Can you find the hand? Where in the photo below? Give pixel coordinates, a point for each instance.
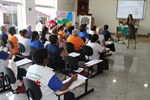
(74, 77)
(63, 45)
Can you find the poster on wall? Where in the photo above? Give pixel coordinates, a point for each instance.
(67, 17)
(88, 20)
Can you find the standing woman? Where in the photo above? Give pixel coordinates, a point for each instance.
(131, 30)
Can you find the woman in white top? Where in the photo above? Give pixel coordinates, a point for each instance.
(24, 40)
(101, 36)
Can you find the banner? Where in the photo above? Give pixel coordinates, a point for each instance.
(67, 17)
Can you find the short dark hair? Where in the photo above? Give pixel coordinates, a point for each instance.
(60, 27)
(39, 55)
(105, 27)
(34, 35)
(94, 37)
(93, 28)
(82, 27)
(12, 30)
(53, 39)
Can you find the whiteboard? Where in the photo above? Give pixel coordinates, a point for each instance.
(134, 7)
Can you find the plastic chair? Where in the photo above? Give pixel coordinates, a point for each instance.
(87, 51)
(21, 48)
(11, 79)
(70, 47)
(71, 63)
(32, 89)
(31, 51)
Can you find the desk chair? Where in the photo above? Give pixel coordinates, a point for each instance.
(11, 79)
(71, 63)
(32, 89)
(31, 51)
(87, 51)
(21, 48)
(3, 85)
(70, 47)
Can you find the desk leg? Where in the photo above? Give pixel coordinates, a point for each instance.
(58, 97)
(86, 92)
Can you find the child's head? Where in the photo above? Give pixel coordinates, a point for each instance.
(93, 28)
(53, 39)
(12, 30)
(40, 56)
(106, 27)
(94, 38)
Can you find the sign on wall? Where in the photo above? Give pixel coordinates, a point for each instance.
(67, 17)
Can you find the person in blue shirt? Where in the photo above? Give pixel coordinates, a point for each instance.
(3, 35)
(46, 78)
(83, 34)
(106, 33)
(59, 53)
(35, 42)
(29, 31)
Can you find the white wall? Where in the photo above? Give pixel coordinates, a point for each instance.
(104, 12)
(65, 5)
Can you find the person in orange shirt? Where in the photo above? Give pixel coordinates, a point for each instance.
(76, 40)
(13, 39)
(61, 32)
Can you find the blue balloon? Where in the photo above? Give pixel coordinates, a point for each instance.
(69, 16)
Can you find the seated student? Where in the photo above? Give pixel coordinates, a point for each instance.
(101, 36)
(106, 33)
(76, 40)
(4, 56)
(58, 52)
(45, 34)
(97, 49)
(13, 39)
(83, 34)
(61, 32)
(25, 40)
(35, 42)
(46, 78)
(3, 35)
(69, 32)
(29, 29)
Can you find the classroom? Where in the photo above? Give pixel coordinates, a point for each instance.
(75, 49)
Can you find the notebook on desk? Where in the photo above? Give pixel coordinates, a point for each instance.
(23, 62)
(74, 54)
(93, 62)
(80, 81)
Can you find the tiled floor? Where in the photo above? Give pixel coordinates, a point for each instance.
(127, 79)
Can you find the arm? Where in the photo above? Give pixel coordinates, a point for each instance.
(11, 51)
(67, 84)
(64, 52)
(55, 84)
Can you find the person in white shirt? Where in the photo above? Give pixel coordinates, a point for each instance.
(101, 36)
(25, 40)
(97, 48)
(46, 77)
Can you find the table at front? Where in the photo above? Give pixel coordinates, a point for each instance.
(124, 29)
